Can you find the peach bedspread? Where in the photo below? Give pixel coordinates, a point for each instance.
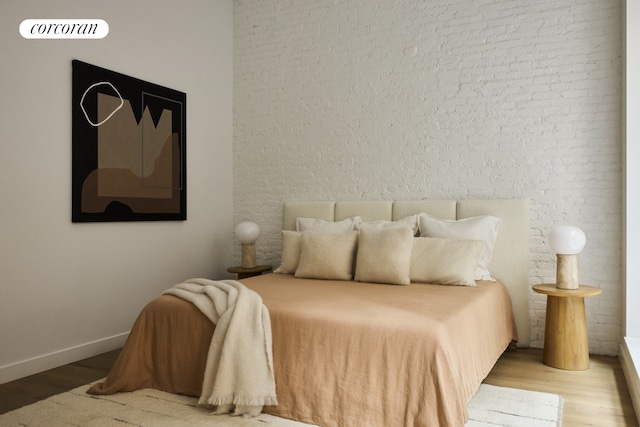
(345, 353)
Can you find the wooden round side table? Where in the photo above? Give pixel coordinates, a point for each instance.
(243, 273)
(566, 345)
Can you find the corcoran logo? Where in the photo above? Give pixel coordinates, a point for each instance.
(64, 29)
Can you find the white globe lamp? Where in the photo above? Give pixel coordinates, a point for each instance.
(247, 233)
(567, 242)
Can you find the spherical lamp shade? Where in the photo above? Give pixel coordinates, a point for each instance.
(247, 232)
(567, 240)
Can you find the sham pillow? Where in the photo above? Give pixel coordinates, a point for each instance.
(410, 221)
(484, 228)
(445, 261)
(316, 224)
(291, 244)
(327, 255)
(384, 254)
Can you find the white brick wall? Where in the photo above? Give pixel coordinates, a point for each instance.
(438, 99)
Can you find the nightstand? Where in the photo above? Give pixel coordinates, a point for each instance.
(243, 273)
(565, 333)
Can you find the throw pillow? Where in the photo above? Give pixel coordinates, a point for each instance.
(384, 254)
(445, 261)
(484, 228)
(327, 255)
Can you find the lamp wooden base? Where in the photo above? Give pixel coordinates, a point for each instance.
(566, 345)
(249, 255)
(567, 272)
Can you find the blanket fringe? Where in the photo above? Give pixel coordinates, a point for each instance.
(242, 400)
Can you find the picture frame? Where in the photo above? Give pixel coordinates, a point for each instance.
(128, 148)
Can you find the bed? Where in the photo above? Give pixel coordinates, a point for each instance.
(358, 352)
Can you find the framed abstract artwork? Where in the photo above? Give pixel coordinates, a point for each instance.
(129, 148)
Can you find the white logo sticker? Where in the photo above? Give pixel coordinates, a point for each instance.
(64, 29)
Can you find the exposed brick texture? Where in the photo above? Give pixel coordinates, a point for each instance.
(369, 100)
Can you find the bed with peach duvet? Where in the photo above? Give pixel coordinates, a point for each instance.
(375, 349)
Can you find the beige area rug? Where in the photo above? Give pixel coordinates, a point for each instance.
(492, 406)
(501, 406)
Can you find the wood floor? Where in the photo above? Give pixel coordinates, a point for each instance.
(31, 389)
(596, 397)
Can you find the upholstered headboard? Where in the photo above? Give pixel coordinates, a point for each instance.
(510, 262)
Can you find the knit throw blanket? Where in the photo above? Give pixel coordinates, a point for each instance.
(238, 376)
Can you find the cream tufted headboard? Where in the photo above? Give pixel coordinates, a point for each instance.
(510, 262)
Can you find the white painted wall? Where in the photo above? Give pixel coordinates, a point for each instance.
(632, 171)
(72, 290)
(630, 347)
(439, 99)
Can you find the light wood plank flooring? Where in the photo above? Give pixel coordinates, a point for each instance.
(596, 397)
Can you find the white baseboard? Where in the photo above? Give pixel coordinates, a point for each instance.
(38, 364)
(630, 360)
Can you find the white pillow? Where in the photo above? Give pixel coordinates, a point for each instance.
(484, 228)
(315, 224)
(411, 221)
(384, 254)
(327, 255)
(445, 261)
(291, 244)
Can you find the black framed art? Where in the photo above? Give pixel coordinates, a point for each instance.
(129, 148)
